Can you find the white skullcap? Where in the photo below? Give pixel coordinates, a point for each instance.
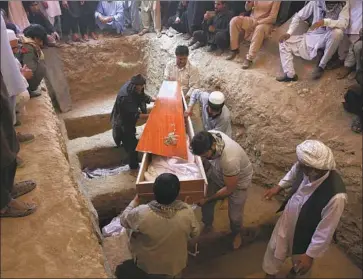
(315, 154)
(216, 98)
(11, 35)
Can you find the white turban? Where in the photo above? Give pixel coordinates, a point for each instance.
(315, 154)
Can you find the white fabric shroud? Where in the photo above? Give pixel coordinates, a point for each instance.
(184, 170)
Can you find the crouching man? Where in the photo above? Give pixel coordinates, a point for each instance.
(161, 230)
(229, 173)
(310, 215)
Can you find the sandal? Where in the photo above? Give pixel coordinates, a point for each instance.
(22, 188)
(143, 32)
(356, 126)
(12, 212)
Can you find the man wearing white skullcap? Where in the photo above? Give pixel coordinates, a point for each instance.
(311, 213)
(215, 115)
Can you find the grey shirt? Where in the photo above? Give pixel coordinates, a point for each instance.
(220, 123)
(232, 161)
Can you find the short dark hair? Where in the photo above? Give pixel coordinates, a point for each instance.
(166, 188)
(182, 51)
(36, 31)
(202, 143)
(11, 26)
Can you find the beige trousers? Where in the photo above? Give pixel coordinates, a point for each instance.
(149, 15)
(252, 32)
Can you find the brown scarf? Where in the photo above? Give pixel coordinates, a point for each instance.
(31, 42)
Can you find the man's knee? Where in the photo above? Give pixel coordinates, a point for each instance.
(236, 20)
(337, 34)
(199, 35)
(222, 39)
(357, 47)
(262, 28)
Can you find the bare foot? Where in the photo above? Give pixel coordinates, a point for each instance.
(237, 241)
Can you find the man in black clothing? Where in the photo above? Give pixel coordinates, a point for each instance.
(87, 23)
(195, 12)
(179, 21)
(167, 9)
(215, 29)
(9, 147)
(35, 16)
(131, 99)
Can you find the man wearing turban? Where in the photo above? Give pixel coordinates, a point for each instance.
(310, 214)
(130, 105)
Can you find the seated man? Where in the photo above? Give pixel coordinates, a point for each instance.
(179, 20)
(35, 16)
(351, 36)
(161, 230)
(110, 15)
(229, 173)
(182, 70)
(254, 28)
(35, 37)
(131, 99)
(215, 115)
(354, 37)
(330, 19)
(353, 59)
(310, 214)
(215, 29)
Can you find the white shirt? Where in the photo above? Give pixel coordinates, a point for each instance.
(312, 9)
(330, 217)
(188, 76)
(355, 23)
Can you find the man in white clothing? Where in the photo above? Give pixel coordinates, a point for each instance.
(330, 19)
(350, 49)
(311, 213)
(182, 70)
(215, 115)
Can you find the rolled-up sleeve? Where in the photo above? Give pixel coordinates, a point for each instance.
(289, 178)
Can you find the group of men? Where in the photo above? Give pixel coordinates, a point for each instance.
(310, 214)
(335, 26)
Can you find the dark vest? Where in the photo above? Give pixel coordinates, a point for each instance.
(310, 214)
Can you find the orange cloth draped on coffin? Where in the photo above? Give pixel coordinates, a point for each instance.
(166, 115)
